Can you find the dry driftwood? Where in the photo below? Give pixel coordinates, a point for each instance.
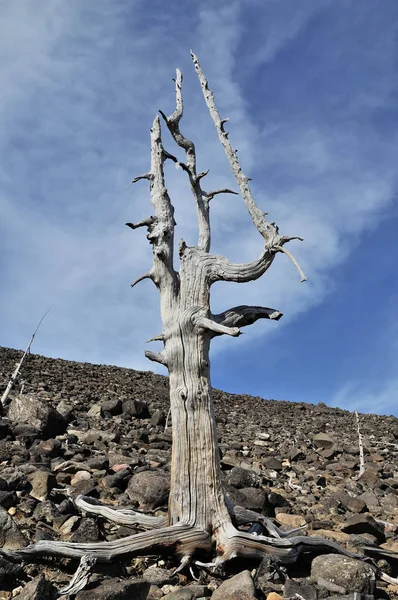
(200, 522)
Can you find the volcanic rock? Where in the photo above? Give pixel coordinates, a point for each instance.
(29, 410)
(149, 489)
(347, 573)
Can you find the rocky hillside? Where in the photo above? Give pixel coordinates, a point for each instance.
(100, 431)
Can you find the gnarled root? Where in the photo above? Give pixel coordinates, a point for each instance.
(120, 516)
(232, 543)
(183, 539)
(242, 516)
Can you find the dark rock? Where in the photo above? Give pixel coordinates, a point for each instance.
(26, 434)
(8, 570)
(5, 430)
(149, 489)
(299, 589)
(242, 478)
(277, 500)
(42, 483)
(158, 576)
(11, 537)
(8, 499)
(254, 499)
(238, 587)
(323, 440)
(158, 419)
(136, 408)
(296, 454)
(112, 589)
(364, 523)
(272, 463)
(370, 479)
(87, 531)
(50, 447)
(113, 407)
(354, 505)
(38, 589)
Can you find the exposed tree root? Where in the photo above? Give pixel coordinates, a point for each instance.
(242, 516)
(121, 516)
(182, 539)
(232, 543)
(81, 578)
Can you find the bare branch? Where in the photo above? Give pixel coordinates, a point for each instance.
(144, 176)
(144, 223)
(221, 269)
(156, 338)
(256, 214)
(159, 357)
(200, 176)
(210, 195)
(294, 261)
(173, 124)
(241, 316)
(141, 278)
(217, 328)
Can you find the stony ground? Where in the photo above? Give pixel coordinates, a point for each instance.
(100, 431)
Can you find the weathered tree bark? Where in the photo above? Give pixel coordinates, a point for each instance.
(200, 520)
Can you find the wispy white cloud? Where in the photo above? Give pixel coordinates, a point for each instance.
(379, 399)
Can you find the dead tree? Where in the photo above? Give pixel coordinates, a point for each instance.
(201, 522)
(19, 364)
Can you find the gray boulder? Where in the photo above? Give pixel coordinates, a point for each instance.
(149, 489)
(42, 416)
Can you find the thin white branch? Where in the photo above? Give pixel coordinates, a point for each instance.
(19, 364)
(294, 261)
(360, 443)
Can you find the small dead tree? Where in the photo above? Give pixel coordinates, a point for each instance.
(19, 364)
(201, 522)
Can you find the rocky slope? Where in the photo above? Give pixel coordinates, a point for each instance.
(100, 431)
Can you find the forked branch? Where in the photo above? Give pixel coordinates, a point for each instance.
(202, 205)
(269, 231)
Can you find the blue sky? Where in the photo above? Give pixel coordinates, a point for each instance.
(311, 89)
